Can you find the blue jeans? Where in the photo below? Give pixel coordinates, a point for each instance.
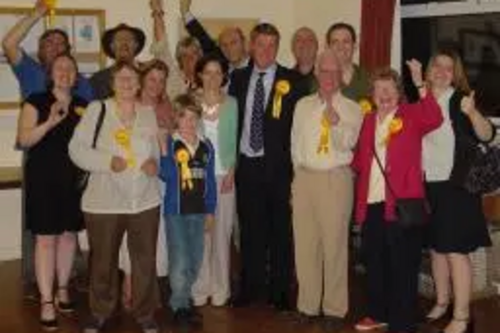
(185, 235)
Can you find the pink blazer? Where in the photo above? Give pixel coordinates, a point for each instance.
(403, 157)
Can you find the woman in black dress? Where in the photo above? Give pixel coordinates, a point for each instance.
(457, 226)
(53, 212)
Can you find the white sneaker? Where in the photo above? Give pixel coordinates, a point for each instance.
(200, 301)
(219, 301)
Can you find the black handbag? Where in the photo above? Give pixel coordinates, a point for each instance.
(483, 176)
(410, 212)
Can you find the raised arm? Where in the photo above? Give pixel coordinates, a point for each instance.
(428, 113)
(159, 31)
(483, 128)
(196, 30)
(160, 49)
(18, 32)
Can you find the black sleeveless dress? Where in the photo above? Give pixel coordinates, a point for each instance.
(51, 179)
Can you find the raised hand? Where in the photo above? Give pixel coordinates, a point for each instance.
(156, 5)
(185, 7)
(415, 68)
(41, 7)
(468, 104)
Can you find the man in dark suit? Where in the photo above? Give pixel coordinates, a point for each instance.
(266, 94)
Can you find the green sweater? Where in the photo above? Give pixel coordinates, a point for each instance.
(359, 85)
(227, 132)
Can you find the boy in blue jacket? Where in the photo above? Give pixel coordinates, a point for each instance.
(189, 203)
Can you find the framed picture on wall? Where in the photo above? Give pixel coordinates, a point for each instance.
(84, 28)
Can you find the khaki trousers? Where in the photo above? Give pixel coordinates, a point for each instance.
(105, 233)
(322, 205)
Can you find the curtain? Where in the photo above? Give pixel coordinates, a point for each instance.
(377, 17)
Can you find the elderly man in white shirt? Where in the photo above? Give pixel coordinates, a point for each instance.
(325, 130)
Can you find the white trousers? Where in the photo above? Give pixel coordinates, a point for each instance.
(213, 279)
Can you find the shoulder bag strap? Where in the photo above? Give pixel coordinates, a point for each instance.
(98, 124)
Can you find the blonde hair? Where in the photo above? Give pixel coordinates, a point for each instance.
(459, 81)
(186, 102)
(183, 45)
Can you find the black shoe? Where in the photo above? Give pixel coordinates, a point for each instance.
(64, 307)
(303, 319)
(148, 325)
(182, 317)
(195, 317)
(283, 307)
(51, 324)
(239, 301)
(93, 325)
(281, 304)
(331, 323)
(30, 292)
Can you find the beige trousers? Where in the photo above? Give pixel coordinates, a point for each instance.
(322, 205)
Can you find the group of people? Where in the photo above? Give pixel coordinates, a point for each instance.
(176, 154)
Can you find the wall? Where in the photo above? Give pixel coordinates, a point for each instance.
(285, 14)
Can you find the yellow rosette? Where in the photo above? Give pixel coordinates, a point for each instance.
(51, 6)
(282, 88)
(79, 111)
(182, 157)
(366, 106)
(122, 138)
(324, 137)
(395, 126)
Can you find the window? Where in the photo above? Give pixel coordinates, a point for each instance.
(472, 33)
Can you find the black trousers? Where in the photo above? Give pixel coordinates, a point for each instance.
(392, 256)
(266, 238)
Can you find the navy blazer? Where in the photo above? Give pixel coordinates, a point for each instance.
(276, 131)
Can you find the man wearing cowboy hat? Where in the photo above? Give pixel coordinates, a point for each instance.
(121, 43)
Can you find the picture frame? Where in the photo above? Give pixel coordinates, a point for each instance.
(84, 28)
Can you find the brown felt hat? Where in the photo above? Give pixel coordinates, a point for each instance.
(107, 38)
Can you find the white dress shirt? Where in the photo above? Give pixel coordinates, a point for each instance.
(306, 132)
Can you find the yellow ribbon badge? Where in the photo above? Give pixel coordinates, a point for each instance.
(122, 138)
(182, 157)
(395, 126)
(79, 111)
(324, 137)
(366, 106)
(282, 88)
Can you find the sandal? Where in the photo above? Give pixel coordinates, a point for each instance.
(468, 328)
(440, 310)
(64, 307)
(48, 325)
